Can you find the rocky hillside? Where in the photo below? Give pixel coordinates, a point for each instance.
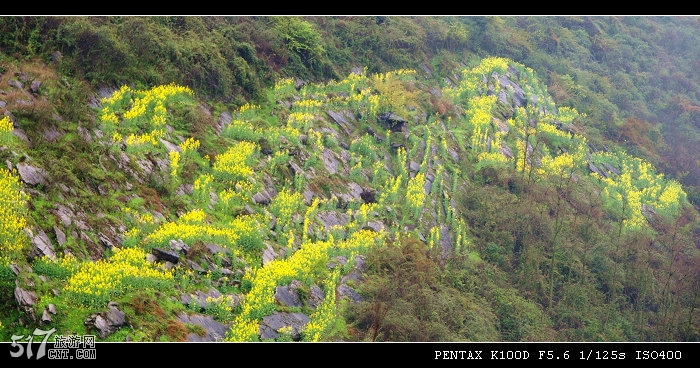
(156, 216)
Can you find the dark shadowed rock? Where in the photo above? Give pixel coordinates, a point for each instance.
(332, 218)
(368, 196)
(595, 169)
(52, 134)
(343, 119)
(30, 174)
(344, 291)
(392, 121)
(170, 146)
(213, 330)
(42, 245)
(108, 322)
(45, 317)
(269, 254)
(199, 299)
(265, 147)
(271, 325)
(611, 168)
(329, 161)
(60, 235)
(261, 198)
(25, 298)
(166, 255)
(287, 295)
(376, 226)
(179, 246)
(316, 296)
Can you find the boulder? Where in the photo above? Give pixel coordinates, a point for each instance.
(31, 175)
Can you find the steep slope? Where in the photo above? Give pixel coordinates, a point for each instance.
(190, 222)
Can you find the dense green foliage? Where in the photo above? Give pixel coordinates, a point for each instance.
(494, 225)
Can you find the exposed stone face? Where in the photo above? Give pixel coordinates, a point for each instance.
(213, 330)
(108, 322)
(31, 175)
(41, 243)
(25, 298)
(287, 295)
(272, 324)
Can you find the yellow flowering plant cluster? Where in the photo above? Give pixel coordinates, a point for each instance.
(360, 242)
(144, 142)
(471, 83)
(356, 173)
(202, 187)
(399, 74)
(235, 164)
(248, 111)
(243, 235)
(284, 206)
(236, 196)
(249, 231)
(560, 166)
(391, 191)
(260, 300)
(132, 237)
(284, 88)
(309, 217)
(300, 120)
(415, 194)
(553, 136)
(6, 128)
(195, 216)
(492, 159)
(189, 146)
(13, 202)
(365, 147)
(174, 162)
(243, 130)
(363, 214)
(351, 92)
(434, 237)
(401, 164)
(485, 143)
(308, 105)
(486, 139)
(462, 241)
(323, 318)
(315, 140)
(637, 185)
(625, 194)
(221, 307)
(306, 264)
(191, 232)
(116, 103)
(380, 174)
(95, 283)
(243, 329)
(139, 115)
